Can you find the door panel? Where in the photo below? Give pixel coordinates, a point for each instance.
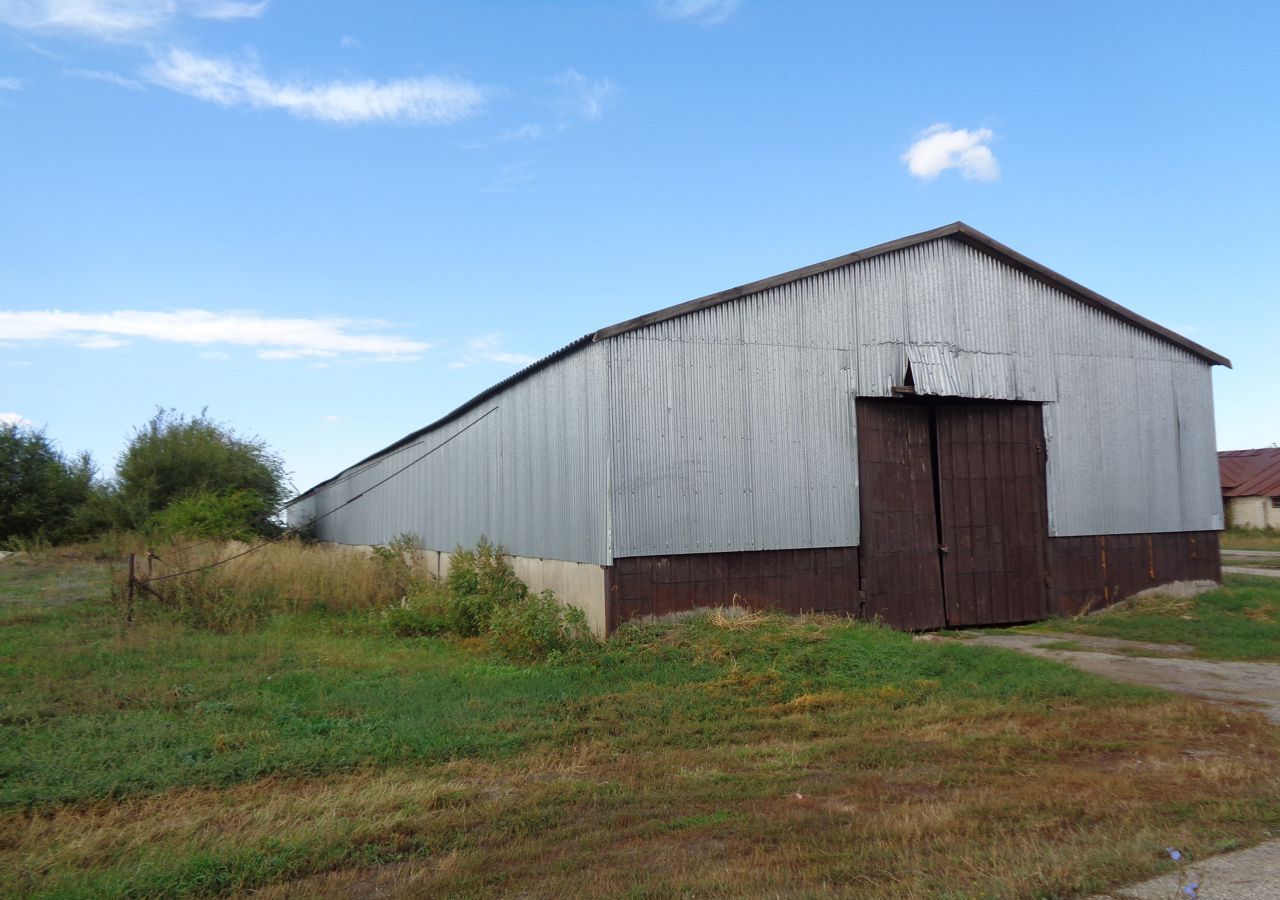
(991, 480)
(898, 552)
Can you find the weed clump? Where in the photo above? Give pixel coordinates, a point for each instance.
(484, 596)
(479, 582)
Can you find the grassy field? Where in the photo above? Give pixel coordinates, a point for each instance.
(1255, 562)
(320, 755)
(1240, 621)
(1250, 539)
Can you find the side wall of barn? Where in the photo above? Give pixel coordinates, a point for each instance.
(527, 468)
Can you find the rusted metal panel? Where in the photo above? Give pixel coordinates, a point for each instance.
(1090, 572)
(991, 494)
(821, 580)
(1250, 473)
(901, 580)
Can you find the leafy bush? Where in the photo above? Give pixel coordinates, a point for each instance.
(173, 457)
(480, 581)
(537, 625)
(206, 514)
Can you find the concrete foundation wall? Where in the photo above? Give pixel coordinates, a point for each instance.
(1252, 512)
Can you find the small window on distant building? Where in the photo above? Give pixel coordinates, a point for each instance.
(1275, 502)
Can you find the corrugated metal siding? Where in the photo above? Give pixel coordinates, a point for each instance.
(729, 446)
(732, 426)
(529, 469)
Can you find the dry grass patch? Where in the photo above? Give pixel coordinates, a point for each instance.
(994, 803)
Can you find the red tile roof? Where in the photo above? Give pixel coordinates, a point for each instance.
(1250, 473)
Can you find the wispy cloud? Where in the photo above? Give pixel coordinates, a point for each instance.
(274, 337)
(10, 84)
(433, 101)
(512, 177)
(940, 147)
(583, 97)
(704, 12)
(16, 419)
(109, 77)
(488, 349)
(116, 20)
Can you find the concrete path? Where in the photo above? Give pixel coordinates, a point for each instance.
(1252, 874)
(1255, 685)
(1251, 570)
(1271, 553)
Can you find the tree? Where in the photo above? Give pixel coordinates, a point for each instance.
(42, 492)
(173, 458)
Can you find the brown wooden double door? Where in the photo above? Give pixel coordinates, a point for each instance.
(952, 495)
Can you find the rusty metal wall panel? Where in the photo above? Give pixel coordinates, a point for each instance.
(991, 492)
(528, 469)
(898, 556)
(1094, 571)
(821, 580)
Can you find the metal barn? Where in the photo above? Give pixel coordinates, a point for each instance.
(937, 431)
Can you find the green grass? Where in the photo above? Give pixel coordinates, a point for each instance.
(320, 754)
(1250, 539)
(92, 710)
(1240, 621)
(1255, 562)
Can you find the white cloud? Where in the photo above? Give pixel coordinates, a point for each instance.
(10, 84)
(276, 338)
(13, 418)
(101, 342)
(109, 77)
(332, 420)
(704, 12)
(583, 97)
(227, 82)
(348, 42)
(118, 19)
(215, 355)
(488, 348)
(940, 148)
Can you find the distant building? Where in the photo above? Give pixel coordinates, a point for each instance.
(934, 432)
(1251, 487)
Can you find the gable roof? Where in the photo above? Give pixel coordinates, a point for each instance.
(956, 230)
(1250, 473)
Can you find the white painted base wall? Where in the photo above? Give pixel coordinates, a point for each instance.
(1252, 512)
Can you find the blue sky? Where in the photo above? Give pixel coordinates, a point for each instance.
(330, 223)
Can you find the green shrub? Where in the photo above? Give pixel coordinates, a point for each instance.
(479, 581)
(409, 619)
(536, 625)
(401, 562)
(205, 514)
